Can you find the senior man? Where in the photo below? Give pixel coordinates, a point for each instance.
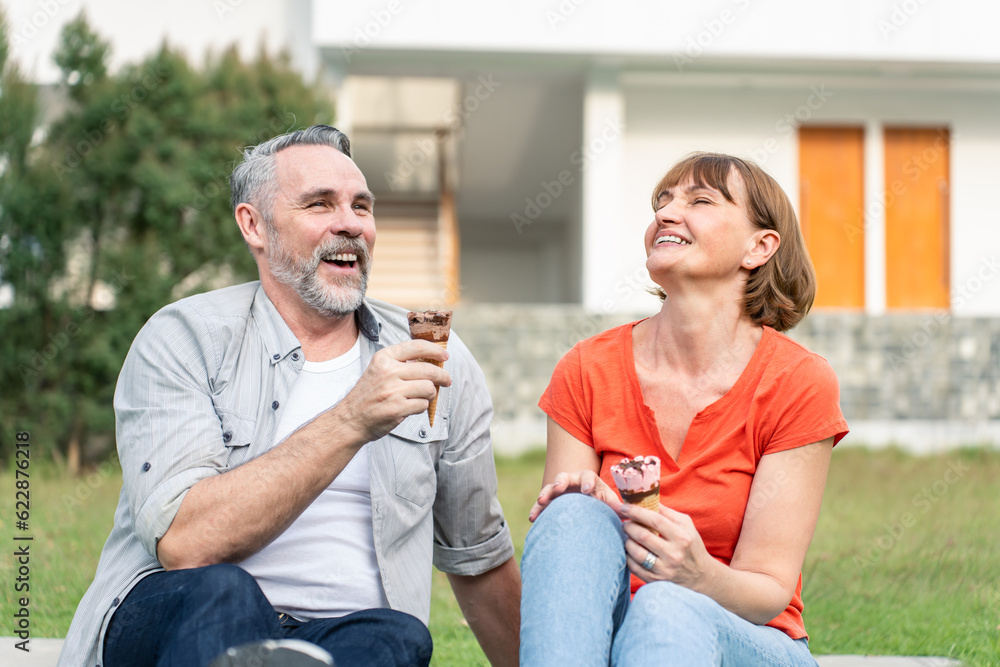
(281, 479)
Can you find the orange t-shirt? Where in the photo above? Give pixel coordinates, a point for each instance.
(786, 397)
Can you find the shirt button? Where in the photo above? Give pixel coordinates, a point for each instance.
(276, 357)
(274, 406)
(227, 436)
(146, 466)
(423, 433)
(295, 356)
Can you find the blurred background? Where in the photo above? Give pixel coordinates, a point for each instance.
(512, 149)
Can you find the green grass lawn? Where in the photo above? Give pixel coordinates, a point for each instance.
(906, 558)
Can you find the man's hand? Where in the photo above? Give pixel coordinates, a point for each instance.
(394, 386)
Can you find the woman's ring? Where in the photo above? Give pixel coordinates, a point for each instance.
(650, 560)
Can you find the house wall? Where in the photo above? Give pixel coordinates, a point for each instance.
(519, 223)
(904, 30)
(925, 382)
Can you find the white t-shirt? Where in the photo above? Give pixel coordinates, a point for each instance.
(324, 564)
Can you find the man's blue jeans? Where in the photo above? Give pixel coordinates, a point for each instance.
(186, 618)
(576, 608)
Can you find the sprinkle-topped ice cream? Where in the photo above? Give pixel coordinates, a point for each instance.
(638, 480)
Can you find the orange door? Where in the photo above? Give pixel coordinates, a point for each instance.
(831, 203)
(917, 208)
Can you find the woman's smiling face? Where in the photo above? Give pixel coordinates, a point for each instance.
(698, 232)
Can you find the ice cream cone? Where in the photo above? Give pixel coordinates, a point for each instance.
(432, 406)
(651, 502)
(638, 481)
(433, 326)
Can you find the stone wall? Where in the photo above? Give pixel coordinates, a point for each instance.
(922, 381)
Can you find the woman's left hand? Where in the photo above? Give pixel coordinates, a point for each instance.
(679, 555)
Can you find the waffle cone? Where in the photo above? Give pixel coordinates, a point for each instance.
(651, 502)
(432, 406)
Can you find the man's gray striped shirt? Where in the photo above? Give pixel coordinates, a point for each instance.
(201, 392)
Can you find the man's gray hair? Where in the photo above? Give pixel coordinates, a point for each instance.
(253, 180)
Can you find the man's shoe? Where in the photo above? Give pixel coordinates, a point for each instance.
(274, 653)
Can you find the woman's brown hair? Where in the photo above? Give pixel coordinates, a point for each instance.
(780, 292)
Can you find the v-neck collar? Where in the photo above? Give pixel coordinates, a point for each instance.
(749, 372)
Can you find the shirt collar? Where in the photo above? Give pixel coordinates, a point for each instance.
(368, 324)
(279, 339)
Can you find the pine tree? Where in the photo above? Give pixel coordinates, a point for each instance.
(121, 209)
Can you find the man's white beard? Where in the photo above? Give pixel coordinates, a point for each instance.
(302, 274)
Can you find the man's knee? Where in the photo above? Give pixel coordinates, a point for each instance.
(379, 637)
(223, 585)
(166, 609)
(413, 634)
(222, 575)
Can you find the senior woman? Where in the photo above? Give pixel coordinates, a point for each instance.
(743, 419)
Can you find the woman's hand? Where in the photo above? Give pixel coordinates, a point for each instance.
(585, 481)
(680, 554)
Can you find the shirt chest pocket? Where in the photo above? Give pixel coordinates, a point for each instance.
(237, 434)
(416, 448)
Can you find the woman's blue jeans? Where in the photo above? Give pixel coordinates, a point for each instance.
(576, 607)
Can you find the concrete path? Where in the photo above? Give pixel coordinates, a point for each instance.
(44, 653)
(883, 661)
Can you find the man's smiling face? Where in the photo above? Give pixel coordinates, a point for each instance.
(321, 230)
